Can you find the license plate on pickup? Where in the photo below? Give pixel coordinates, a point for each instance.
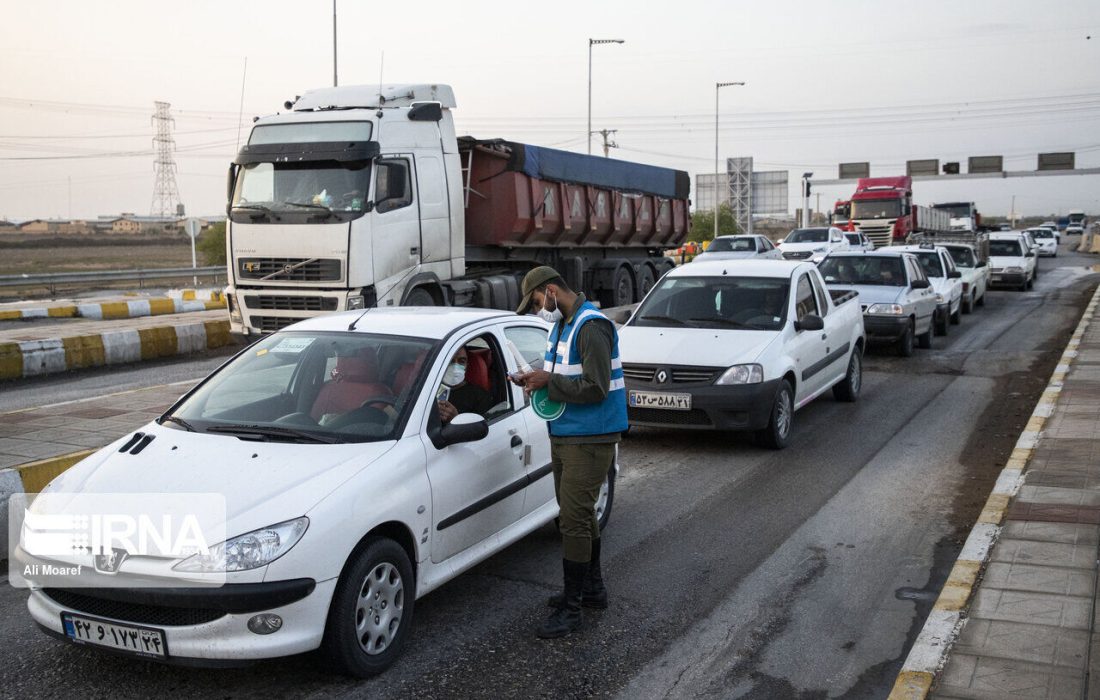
(659, 399)
(142, 641)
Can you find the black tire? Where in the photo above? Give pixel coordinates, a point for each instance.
(342, 648)
(604, 516)
(778, 431)
(905, 342)
(924, 340)
(622, 287)
(647, 277)
(956, 318)
(419, 297)
(848, 388)
(981, 300)
(940, 322)
(967, 304)
(1030, 282)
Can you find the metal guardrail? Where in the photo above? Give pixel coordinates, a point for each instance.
(160, 273)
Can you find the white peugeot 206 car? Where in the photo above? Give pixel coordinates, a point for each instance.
(347, 497)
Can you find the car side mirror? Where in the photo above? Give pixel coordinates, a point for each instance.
(780, 241)
(810, 322)
(920, 284)
(981, 263)
(1030, 254)
(465, 427)
(954, 275)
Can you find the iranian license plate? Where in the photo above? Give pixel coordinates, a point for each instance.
(142, 641)
(659, 399)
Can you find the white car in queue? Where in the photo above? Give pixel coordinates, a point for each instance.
(347, 496)
(740, 345)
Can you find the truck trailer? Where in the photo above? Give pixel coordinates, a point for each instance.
(883, 209)
(364, 196)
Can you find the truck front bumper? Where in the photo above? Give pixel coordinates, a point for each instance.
(727, 407)
(255, 311)
(884, 329)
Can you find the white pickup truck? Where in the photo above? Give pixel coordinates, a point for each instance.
(740, 345)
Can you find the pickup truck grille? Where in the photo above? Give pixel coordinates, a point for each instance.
(677, 375)
(798, 255)
(279, 302)
(290, 269)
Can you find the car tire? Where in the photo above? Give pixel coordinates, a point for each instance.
(924, 340)
(956, 318)
(980, 301)
(848, 388)
(777, 433)
(419, 297)
(968, 304)
(378, 579)
(1031, 282)
(905, 342)
(940, 322)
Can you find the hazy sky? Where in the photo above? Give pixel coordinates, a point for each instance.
(844, 80)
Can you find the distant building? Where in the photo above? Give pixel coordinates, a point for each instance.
(42, 226)
(8, 226)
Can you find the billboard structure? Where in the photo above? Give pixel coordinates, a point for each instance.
(739, 173)
(770, 192)
(748, 193)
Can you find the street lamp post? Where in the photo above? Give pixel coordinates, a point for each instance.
(717, 87)
(591, 43)
(806, 222)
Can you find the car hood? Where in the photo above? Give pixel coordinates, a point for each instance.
(262, 482)
(699, 347)
(725, 255)
(871, 293)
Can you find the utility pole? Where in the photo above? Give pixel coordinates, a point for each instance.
(334, 81)
(1012, 214)
(817, 207)
(607, 144)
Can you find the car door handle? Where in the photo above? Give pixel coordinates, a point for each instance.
(824, 337)
(516, 441)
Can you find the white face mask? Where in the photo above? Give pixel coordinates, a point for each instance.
(550, 316)
(455, 374)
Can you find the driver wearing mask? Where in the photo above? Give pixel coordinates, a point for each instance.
(456, 396)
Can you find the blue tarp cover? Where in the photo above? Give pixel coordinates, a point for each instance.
(581, 169)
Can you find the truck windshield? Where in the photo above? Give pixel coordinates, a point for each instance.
(739, 303)
(808, 235)
(963, 257)
(930, 261)
(850, 269)
(725, 245)
(299, 187)
(1076, 218)
(876, 209)
(310, 387)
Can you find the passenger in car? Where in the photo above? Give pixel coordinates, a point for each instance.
(458, 394)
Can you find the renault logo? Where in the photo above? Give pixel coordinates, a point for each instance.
(662, 376)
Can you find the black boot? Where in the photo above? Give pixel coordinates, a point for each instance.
(594, 593)
(567, 617)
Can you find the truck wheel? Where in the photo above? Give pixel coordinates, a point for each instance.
(371, 611)
(941, 323)
(956, 318)
(646, 279)
(905, 342)
(622, 289)
(848, 388)
(778, 431)
(419, 297)
(924, 340)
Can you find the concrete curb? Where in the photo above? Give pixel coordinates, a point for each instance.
(28, 358)
(941, 629)
(175, 303)
(31, 477)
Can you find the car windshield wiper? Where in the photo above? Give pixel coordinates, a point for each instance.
(274, 431)
(310, 205)
(178, 421)
(257, 207)
(664, 318)
(727, 322)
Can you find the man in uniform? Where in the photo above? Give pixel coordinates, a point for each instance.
(583, 372)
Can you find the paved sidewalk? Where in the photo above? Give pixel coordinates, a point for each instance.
(1027, 627)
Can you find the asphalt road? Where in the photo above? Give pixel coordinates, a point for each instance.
(734, 571)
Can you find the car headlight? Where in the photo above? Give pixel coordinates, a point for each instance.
(248, 551)
(887, 309)
(356, 302)
(742, 374)
(940, 299)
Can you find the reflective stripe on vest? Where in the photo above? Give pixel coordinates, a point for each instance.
(607, 416)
